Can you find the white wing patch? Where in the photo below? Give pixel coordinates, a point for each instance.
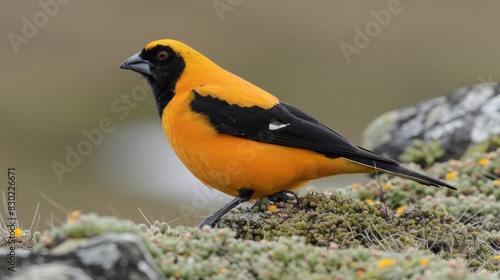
(277, 125)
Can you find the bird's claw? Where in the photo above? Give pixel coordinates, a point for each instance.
(283, 195)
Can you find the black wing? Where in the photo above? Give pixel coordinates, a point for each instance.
(282, 124)
(286, 125)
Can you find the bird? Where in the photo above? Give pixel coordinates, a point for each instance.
(240, 139)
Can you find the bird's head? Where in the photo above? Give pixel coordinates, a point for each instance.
(164, 64)
(160, 61)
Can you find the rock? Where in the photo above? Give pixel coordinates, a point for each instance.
(108, 256)
(464, 117)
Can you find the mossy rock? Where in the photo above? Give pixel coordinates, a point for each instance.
(191, 253)
(323, 219)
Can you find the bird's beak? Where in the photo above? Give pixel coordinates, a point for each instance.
(137, 64)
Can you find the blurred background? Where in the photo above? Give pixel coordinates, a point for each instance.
(344, 62)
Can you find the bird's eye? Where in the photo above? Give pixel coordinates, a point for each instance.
(162, 55)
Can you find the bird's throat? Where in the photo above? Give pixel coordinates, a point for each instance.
(162, 97)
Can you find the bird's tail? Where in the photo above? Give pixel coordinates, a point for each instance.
(382, 164)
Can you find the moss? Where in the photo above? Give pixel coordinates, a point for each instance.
(492, 238)
(82, 227)
(490, 144)
(323, 219)
(426, 153)
(191, 253)
(476, 201)
(423, 153)
(22, 239)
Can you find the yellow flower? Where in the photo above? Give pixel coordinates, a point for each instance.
(496, 257)
(74, 216)
(496, 182)
(424, 262)
(18, 232)
(452, 175)
(369, 201)
(400, 210)
(272, 208)
(388, 186)
(386, 263)
(483, 161)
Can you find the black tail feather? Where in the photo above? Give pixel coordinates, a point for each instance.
(382, 164)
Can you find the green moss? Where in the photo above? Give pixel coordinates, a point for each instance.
(191, 253)
(476, 202)
(82, 227)
(492, 238)
(423, 153)
(492, 143)
(323, 219)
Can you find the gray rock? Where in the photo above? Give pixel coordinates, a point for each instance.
(464, 117)
(109, 256)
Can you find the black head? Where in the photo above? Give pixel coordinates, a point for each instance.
(161, 66)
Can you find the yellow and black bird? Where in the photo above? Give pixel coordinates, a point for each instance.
(240, 139)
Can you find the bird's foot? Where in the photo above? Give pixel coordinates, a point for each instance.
(283, 196)
(262, 204)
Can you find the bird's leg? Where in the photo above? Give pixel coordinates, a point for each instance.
(283, 195)
(243, 196)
